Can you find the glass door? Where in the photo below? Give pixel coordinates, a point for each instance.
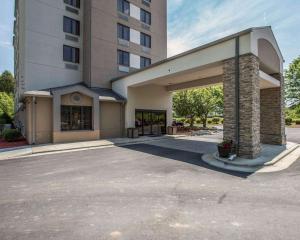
(150, 122)
(147, 123)
(139, 122)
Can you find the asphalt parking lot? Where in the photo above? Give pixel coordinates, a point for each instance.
(144, 191)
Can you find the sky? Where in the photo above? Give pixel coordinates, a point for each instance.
(192, 23)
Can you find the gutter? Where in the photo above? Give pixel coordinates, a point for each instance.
(237, 93)
(33, 120)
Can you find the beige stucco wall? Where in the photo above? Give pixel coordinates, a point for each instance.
(111, 120)
(44, 120)
(101, 41)
(85, 100)
(81, 135)
(28, 120)
(152, 97)
(74, 136)
(38, 124)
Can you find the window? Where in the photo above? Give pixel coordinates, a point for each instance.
(123, 58)
(124, 6)
(145, 17)
(76, 118)
(74, 3)
(145, 62)
(71, 26)
(71, 54)
(123, 32)
(145, 40)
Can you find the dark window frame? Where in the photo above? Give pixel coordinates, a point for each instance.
(122, 60)
(74, 26)
(124, 7)
(68, 119)
(74, 54)
(146, 17)
(73, 3)
(122, 32)
(146, 40)
(144, 60)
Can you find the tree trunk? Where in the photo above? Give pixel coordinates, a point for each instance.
(192, 122)
(204, 121)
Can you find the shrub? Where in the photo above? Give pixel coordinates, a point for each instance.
(216, 120)
(11, 135)
(198, 121)
(297, 121)
(222, 121)
(288, 121)
(209, 121)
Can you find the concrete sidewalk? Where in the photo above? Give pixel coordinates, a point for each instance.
(47, 148)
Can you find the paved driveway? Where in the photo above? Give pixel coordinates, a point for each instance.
(144, 191)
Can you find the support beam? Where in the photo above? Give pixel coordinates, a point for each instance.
(196, 83)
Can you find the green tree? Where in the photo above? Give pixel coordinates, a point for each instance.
(206, 101)
(183, 105)
(292, 82)
(198, 103)
(6, 106)
(7, 82)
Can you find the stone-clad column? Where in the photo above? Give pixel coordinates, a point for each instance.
(272, 130)
(249, 109)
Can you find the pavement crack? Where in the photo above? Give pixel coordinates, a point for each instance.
(221, 199)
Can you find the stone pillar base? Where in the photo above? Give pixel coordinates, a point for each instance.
(250, 152)
(273, 139)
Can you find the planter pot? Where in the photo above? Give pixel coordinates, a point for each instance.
(132, 133)
(224, 152)
(172, 130)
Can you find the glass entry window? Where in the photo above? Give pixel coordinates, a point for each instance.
(151, 122)
(76, 118)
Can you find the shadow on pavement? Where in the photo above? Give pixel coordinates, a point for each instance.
(180, 155)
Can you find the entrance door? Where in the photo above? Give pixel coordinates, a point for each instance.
(151, 122)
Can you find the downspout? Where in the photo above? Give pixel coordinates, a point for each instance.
(33, 120)
(237, 93)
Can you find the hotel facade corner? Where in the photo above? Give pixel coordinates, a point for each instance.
(92, 69)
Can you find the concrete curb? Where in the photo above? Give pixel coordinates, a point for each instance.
(4, 155)
(45, 149)
(279, 163)
(253, 163)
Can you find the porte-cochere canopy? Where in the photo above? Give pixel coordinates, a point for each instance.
(249, 64)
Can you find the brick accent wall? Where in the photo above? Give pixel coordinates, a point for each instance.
(249, 104)
(272, 130)
(229, 100)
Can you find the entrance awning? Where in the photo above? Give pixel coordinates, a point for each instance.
(203, 66)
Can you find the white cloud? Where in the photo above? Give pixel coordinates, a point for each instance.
(5, 44)
(205, 21)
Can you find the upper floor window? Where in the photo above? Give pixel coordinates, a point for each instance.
(123, 58)
(123, 32)
(145, 40)
(124, 6)
(71, 54)
(145, 62)
(74, 3)
(71, 26)
(145, 17)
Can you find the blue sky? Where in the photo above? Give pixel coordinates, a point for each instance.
(195, 22)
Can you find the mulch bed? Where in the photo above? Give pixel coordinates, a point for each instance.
(20, 143)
